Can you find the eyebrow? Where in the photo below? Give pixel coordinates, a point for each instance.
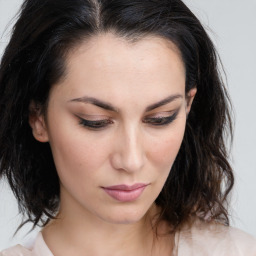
(110, 107)
(96, 102)
(163, 102)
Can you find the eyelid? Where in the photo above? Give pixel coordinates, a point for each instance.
(162, 120)
(162, 114)
(92, 117)
(95, 125)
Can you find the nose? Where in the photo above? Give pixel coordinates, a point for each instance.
(129, 154)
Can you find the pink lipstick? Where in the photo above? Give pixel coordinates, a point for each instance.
(125, 193)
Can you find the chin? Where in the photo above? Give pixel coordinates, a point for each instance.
(126, 216)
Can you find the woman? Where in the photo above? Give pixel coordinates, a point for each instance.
(113, 117)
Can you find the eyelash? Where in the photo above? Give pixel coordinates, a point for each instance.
(160, 121)
(99, 124)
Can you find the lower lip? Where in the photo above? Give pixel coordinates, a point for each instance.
(125, 195)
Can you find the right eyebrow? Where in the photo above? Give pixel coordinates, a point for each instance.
(96, 102)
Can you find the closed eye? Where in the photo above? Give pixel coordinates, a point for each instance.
(158, 121)
(95, 124)
(100, 124)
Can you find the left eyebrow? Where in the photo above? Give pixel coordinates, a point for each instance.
(163, 102)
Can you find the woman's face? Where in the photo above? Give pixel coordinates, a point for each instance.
(115, 124)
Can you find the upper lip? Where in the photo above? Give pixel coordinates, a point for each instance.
(127, 187)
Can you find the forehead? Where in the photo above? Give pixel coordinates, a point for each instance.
(108, 50)
(106, 64)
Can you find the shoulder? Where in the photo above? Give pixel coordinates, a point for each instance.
(210, 238)
(38, 248)
(17, 250)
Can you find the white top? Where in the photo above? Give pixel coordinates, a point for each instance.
(200, 239)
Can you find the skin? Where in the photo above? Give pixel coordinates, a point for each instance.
(130, 149)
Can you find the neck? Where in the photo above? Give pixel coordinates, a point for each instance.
(75, 232)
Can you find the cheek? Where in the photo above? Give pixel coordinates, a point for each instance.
(78, 153)
(165, 149)
(75, 151)
(78, 160)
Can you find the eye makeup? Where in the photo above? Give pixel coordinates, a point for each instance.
(103, 123)
(160, 121)
(95, 124)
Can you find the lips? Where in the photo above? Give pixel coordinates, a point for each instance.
(125, 193)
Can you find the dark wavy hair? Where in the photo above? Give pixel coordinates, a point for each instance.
(34, 60)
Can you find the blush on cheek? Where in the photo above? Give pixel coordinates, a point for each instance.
(165, 151)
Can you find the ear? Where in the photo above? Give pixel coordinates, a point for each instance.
(190, 97)
(37, 122)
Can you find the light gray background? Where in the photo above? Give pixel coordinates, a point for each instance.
(233, 29)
